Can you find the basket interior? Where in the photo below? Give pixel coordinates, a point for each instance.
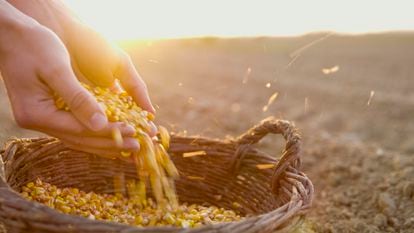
(205, 179)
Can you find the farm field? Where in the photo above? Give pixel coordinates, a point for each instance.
(352, 97)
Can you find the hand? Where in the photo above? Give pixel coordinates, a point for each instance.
(94, 60)
(34, 64)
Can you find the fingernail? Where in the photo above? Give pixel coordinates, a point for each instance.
(154, 129)
(128, 130)
(98, 121)
(152, 108)
(131, 144)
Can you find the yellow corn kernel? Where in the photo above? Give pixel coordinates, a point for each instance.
(164, 136)
(119, 106)
(126, 153)
(120, 209)
(117, 137)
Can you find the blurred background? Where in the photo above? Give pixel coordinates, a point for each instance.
(341, 70)
(154, 19)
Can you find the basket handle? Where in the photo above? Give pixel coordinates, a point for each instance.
(291, 153)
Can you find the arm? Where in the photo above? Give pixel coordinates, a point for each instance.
(11, 23)
(50, 13)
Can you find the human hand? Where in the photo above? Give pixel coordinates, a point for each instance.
(94, 60)
(34, 64)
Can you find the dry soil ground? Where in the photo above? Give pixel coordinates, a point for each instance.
(357, 122)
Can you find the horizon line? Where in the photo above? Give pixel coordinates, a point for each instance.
(207, 36)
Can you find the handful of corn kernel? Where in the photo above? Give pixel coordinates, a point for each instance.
(118, 208)
(153, 163)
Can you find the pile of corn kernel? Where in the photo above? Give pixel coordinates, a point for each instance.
(153, 163)
(118, 208)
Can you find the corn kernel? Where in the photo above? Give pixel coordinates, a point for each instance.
(120, 209)
(121, 107)
(154, 167)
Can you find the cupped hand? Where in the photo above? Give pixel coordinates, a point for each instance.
(35, 64)
(96, 60)
(93, 58)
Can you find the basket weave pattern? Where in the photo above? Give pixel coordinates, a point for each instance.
(272, 199)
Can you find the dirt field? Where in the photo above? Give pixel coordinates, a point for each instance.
(357, 121)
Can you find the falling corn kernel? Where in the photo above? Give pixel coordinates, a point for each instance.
(119, 106)
(371, 94)
(117, 137)
(194, 153)
(195, 177)
(270, 101)
(247, 75)
(265, 166)
(125, 153)
(330, 70)
(165, 137)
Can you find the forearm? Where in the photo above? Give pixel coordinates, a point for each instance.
(12, 24)
(52, 14)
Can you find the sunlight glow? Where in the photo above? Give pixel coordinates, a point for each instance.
(129, 19)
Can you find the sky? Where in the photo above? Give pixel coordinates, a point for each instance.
(154, 19)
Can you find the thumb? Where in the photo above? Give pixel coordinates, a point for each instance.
(134, 84)
(82, 104)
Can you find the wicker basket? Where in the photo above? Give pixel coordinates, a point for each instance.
(273, 199)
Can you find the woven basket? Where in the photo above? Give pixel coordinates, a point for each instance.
(273, 200)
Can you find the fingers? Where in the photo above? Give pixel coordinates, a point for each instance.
(46, 118)
(82, 104)
(78, 73)
(132, 82)
(96, 60)
(154, 129)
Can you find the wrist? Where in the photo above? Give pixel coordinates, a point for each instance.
(13, 24)
(51, 14)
